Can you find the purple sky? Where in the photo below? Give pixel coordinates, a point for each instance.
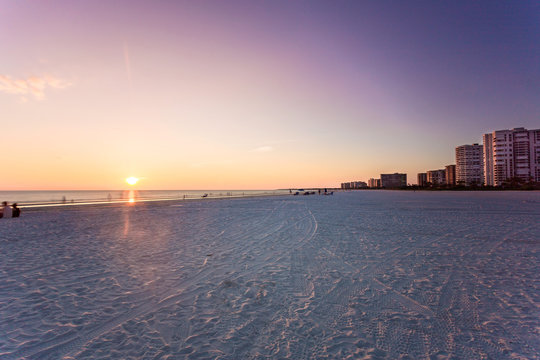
(257, 94)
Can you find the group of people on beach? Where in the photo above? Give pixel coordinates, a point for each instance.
(8, 211)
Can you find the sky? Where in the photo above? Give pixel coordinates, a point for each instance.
(256, 94)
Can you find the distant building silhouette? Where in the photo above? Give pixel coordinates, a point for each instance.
(422, 179)
(395, 180)
(450, 173)
(354, 185)
(374, 183)
(361, 184)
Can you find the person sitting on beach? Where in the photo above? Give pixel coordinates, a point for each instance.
(6, 211)
(16, 210)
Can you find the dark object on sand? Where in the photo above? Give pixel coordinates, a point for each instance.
(16, 211)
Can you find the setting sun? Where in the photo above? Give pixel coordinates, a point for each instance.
(132, 180)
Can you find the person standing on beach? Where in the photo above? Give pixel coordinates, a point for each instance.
(7, 212)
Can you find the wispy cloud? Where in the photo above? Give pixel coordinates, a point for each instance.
(33, 85)
(263, 149)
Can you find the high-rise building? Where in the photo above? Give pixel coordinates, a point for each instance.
(395, 180)
(360, 185)
(512, 154)
(488, 159)
(374, 183)
(436, 177)
(469, 164)
(450, 172)
(501, 156)
(422, 179)
(353, 185)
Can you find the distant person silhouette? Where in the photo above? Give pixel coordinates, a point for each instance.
(7, 212)
(16, 210)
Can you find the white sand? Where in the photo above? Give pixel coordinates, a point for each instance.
(356, 275)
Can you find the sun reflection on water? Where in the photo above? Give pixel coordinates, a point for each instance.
(131, 196)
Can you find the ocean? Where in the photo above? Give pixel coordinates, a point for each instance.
(78, 197)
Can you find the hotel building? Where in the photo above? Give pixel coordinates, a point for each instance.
(422, 179)
(436, 177)
(374, 183)
(395, 180)
(353, 185)
(512, 154)
(450, 173)
(469, 164)
(360, 185)
(488, 159)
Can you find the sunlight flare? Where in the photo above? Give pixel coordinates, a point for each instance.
(132, 180)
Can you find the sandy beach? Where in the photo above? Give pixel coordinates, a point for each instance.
(360, 275)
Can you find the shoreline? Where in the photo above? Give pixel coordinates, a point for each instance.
(44, 206)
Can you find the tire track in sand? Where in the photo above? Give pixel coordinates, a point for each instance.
(71, 342)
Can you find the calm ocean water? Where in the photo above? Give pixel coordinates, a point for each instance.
(30, 198)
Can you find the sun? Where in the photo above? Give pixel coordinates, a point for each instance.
(132, 180)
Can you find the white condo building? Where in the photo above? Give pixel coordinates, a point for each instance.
(469, 164)
(512, 154)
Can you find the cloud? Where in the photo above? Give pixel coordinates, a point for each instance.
(263, 149)
(33, 85)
